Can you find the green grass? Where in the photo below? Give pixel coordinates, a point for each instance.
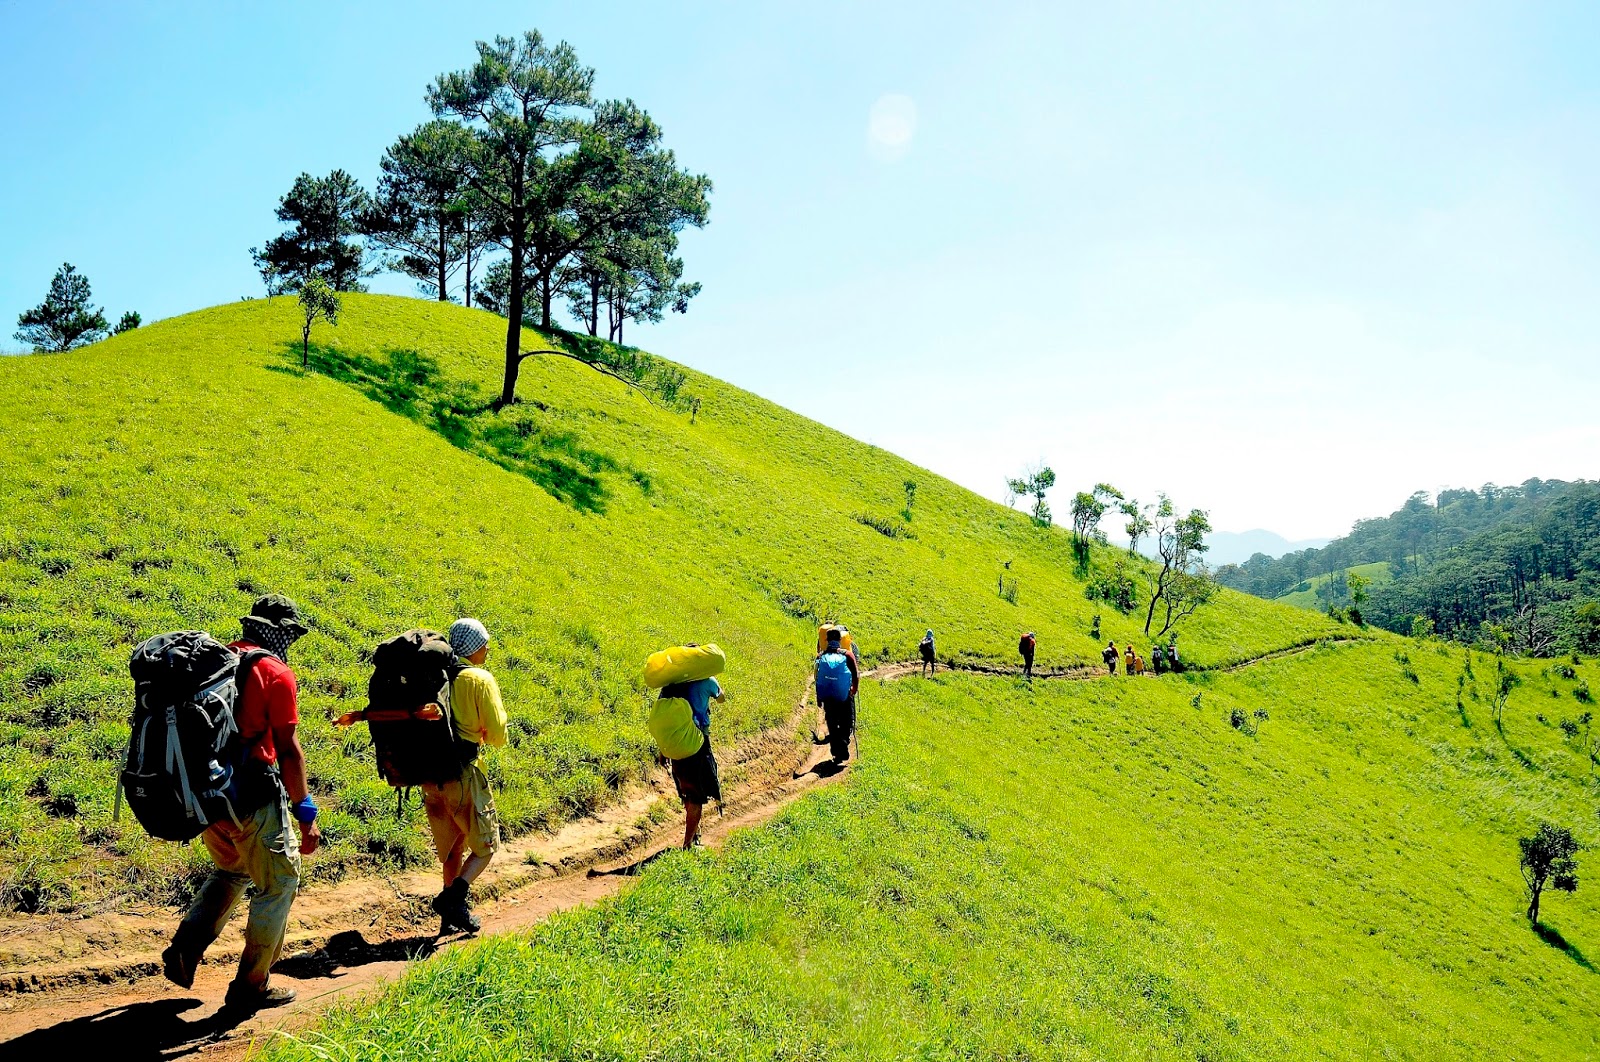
(163, 478)
(1105, 869)
(1378, 572)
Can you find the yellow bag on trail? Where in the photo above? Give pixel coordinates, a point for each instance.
(683, 663)
(845, 641)
(672, 725)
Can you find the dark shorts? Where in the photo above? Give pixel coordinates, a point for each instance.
(696, 777)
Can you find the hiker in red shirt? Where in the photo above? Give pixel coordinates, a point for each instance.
(261, 849)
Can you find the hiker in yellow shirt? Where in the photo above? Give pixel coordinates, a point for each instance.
(461, 813)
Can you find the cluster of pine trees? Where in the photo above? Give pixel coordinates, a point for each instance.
(580, 195)
(1512, 567)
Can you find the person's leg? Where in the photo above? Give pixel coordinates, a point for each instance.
(483, 826)
(691, 822)
(838, 729)
(212, 907)
(272, 850)
(440, 804)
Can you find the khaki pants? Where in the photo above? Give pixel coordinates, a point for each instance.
(265, 853)
(462, 813)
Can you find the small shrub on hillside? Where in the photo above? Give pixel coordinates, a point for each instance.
(1194, 702)
(1008, 590)
(1570, 728)
(1094, 627)
(1581, 691)
(1116, 589)
(884, 526)
(1565, 671)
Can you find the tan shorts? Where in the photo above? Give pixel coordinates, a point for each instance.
(462, 810)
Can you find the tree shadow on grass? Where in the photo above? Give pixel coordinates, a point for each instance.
(1521, 757)
(1552, 936)
(410, 384)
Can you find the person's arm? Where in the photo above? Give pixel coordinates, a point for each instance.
(491, 712)
(283, 715)
(292, 762)
(718, 696)
(855, 673)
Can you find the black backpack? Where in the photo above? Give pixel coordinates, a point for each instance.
(184, 768)
(410, 672)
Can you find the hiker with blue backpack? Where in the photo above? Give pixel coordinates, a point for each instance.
(214, 752)
(838, 682)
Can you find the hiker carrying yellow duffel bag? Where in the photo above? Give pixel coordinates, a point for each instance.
(680, 723)
(683, 663)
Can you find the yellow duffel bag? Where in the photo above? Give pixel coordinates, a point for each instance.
(683, 663)
(672, 725)
(845, 641)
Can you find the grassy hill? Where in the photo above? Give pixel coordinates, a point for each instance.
(1117, 868)
(1377, 571)
(163, 478)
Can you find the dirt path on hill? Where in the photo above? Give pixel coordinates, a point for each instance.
(69, 984)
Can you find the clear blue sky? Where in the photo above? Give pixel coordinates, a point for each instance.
(1287, 262)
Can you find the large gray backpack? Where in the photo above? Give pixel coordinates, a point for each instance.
(184, 768)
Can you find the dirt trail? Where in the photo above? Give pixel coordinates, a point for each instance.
(84, 982)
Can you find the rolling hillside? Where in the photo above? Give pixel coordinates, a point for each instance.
(1312, 857)
(163, 478)
(1378, 572)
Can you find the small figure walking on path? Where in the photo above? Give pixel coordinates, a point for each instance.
(1158, 658)
(1172, 656)
(1025, 647)
(1109, 655)
(925, 647)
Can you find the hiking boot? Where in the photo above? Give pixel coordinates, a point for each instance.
(459, 919)
(246, 1000)
(178, 967)
(455, 913)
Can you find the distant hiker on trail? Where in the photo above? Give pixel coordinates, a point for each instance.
(1172, 655)
(838, 681)
(1127, 660)
(1109, 655)
(1158, 658)
(925, 647)
(461, 813)
(1025, 647)
(259, 848)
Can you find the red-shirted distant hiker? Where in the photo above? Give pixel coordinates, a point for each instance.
(1025, 647)
(1109, 655)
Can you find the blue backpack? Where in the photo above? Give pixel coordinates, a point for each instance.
(833, 677)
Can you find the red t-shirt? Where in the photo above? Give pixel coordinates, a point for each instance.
(271, 698)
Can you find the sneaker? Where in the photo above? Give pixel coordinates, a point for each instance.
(250, 1000)
(177, 967)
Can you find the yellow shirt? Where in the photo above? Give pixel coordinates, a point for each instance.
(475, 704)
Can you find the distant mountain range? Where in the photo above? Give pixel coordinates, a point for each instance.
(1236, 547)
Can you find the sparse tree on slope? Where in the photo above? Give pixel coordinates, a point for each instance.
(325, 218)
(1182, 584)
(1034, 482)
(1548, 857)
(128, 323)
(1138, 525)
(1088, 509)
(421, 211)
(317, 299)
(66, 318)
(519, 101)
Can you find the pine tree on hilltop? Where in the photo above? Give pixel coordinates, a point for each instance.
(65, 319)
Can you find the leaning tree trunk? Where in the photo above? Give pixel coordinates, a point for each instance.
(508, 392)
(444, 260)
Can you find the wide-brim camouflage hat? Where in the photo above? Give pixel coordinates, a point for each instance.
(279, 611)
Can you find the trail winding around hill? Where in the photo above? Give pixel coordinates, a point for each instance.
(77, 983)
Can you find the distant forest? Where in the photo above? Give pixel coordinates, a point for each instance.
(1511, 567)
